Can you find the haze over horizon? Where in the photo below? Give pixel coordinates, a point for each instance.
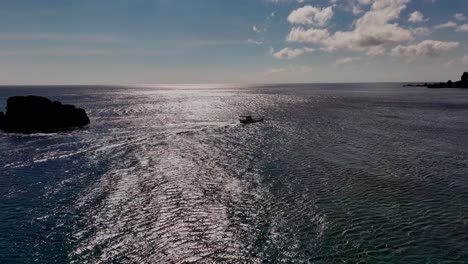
(245, 41)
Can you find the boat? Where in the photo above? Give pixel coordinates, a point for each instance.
(250, 120)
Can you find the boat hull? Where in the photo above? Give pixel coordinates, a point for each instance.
(251, 121)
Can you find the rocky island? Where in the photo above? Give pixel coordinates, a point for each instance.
(36, 114)
(463, 83)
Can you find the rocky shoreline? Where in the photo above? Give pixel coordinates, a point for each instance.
(36, 114)
(462, 84)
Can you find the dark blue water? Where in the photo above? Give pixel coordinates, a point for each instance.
(348, 173)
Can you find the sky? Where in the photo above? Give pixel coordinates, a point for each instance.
(231, 41)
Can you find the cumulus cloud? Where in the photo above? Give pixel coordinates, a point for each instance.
(416, 17)
(376, 51)
(365, 38)
(311, 35)
(373, 29)
(311, 15)
(462, 28)
(426, 48)
(288, 53)
(421, 31)
(354, 6)
(382, 12)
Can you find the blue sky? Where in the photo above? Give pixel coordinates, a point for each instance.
(231, 41)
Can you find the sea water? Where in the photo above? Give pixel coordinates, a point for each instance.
(337, 173)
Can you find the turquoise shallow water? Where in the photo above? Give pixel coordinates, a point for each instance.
(338, 173)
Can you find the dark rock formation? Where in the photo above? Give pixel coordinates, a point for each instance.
(464, 77)
(32, 114)
(463, 83)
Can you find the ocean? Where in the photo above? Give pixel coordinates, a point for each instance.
(337, 173)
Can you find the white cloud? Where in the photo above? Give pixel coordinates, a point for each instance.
(463, 28)
(366, 2)
(311, 15)
(255, 29)
(365, 38)
(421, 31)
(382, 12)
(449, 24)
(288, 53)
(356, 9)
(346, 60)
(376, 51)
(416, 17)
(373, 29)
(426, 48)
(459, 17)
(354, 6)
(312, 35)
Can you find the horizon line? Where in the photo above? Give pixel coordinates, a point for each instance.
(148, 85)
